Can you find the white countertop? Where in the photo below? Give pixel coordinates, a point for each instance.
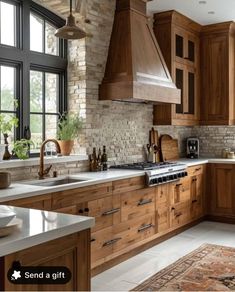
(40, 227)
(23, 190)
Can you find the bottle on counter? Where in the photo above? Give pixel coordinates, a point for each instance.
(94, 160)
(104, 159)
(99, 160)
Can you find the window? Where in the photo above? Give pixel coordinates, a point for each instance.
(33, 67)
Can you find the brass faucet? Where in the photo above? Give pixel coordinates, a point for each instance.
(42, 172)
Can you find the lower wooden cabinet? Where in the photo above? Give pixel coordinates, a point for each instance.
(221, 190)
(128, 213)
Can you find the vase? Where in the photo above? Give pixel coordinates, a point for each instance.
(66, 147)
(6, 155)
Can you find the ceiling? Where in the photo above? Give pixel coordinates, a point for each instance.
(224, 10)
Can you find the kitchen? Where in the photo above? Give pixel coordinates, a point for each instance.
(125, 86)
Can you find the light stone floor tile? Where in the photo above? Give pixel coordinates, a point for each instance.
(134, 271)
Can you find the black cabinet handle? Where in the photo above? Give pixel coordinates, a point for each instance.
(110, 212)
(178, 185)
(80, 211)
(144, 202)
(144, 227)
(197, 169)
(194, 201)
(178, 214)
(173, 208)
(87, 210)
(93, 239)
(112, 241)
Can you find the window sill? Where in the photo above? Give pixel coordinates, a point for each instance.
(48, 160)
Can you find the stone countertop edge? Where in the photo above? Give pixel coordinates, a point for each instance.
(22, 239)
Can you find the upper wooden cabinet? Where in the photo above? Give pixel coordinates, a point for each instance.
(217, 74)
(179, 40)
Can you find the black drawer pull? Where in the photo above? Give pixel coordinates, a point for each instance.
(144, 202)
(112, 241)
(197, 169)
(87, 210)
(93, 239)
(173, 208)
(110, 212)
(144, 227)
(178, 214)
(80, 211)
(194, 201)
(178, 185)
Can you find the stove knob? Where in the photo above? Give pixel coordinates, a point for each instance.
(155, 180)
(164, 179)
(171, 177)
(160, 180)
(179, 174)
(186, 174)
(175, 176)
(182, 174)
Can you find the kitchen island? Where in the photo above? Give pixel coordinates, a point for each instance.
(48, 239)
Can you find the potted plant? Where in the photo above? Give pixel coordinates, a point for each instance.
(21, 148)
(6, 125)
(69, 127)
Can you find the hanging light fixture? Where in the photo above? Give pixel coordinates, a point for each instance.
(70, 30)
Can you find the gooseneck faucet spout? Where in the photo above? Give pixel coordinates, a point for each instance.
(42, 172)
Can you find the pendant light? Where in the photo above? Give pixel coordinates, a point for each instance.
(70, 30)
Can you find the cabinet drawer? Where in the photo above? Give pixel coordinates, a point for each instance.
(134, 231)
(127, 185)
(137, 203)
(181, 191)
(163, 219)
(105, 211)
(195, 170)
(101, 244)
(180, 214)
(196, 208)
(80, 195)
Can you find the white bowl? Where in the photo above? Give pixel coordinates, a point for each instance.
(6, 215)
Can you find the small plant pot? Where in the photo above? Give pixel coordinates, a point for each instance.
(66, 147)
(5, 180)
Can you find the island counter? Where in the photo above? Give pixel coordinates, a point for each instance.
(48, 239)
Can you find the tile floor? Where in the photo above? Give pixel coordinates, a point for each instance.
(134, 271)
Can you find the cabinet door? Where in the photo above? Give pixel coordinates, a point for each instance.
(162, 207)
(223, 190)
(181, 191)
(180, 215)
(196, 196)
(215, 95)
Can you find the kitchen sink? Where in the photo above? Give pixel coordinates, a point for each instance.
(56, 182)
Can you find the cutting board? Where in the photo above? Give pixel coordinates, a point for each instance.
(169, 148)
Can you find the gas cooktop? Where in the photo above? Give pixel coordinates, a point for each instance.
(158, 173)
(145, 165)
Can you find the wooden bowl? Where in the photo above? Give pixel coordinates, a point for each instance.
(5, 180)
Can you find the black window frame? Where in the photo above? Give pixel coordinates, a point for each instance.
(25, 60)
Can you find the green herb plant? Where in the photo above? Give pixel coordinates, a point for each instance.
(69, 127)
(21, 148)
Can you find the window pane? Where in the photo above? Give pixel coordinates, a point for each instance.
(51, 126)
(7, 24)
(7, 88)
(52, 87)
(36, 91)
(36, 130)
(51, 41)
(36, 33)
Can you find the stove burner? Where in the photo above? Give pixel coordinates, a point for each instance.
(143, 165)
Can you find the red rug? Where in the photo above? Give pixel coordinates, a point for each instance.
(208, 268)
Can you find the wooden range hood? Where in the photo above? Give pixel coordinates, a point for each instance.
(135, 69)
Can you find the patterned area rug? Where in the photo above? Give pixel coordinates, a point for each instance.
(208, 268)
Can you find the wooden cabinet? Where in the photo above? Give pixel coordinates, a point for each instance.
(221, 190)
(127, 213)
(179, 40)
(217, 74)
(71, 251)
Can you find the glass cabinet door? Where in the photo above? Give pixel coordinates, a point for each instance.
(179, 81)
